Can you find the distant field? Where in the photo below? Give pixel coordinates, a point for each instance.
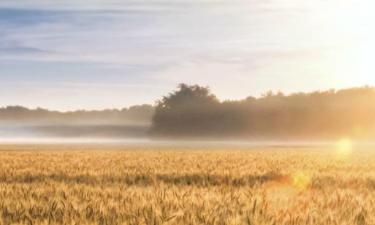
(104, 184)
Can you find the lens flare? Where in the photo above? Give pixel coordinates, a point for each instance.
(301, 180)
(344, 147)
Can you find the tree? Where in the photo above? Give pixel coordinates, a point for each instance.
(188, 110)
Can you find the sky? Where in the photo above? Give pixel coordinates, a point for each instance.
(95, 54)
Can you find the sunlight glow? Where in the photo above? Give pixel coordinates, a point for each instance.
(349, 25)
(280, 193)
(344, 147)
(301, 180)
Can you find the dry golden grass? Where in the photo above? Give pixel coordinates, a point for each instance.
(175, 185)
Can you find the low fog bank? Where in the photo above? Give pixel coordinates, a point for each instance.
(21, 116)
(152, 144)
(129, 134)
(73, 133)
(22, 125)
(193, 114)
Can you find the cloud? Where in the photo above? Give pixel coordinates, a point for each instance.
(161, 43)
(130, 34)
(144, 5)
(20, 50)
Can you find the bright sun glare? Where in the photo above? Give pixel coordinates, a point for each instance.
(350, 26)
(344, 147)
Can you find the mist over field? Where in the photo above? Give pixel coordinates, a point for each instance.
(73, 133)
(22, 124)
(194, 113)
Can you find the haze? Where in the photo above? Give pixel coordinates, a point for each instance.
(67, 55)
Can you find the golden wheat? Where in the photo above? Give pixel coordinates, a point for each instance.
(49, 184)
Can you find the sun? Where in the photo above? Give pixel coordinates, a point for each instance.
(349, 26)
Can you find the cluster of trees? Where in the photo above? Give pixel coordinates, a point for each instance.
(141, 114)
(193, 111)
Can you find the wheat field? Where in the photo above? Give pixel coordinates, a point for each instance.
(108, 184)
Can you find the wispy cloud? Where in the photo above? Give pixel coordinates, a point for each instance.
(130, 36)
(158, 43)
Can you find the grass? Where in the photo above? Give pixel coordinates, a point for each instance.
(61, 184)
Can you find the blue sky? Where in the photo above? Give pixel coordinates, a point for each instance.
(69, 54)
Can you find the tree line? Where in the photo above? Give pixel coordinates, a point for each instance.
(139, 114)
(193, 111)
